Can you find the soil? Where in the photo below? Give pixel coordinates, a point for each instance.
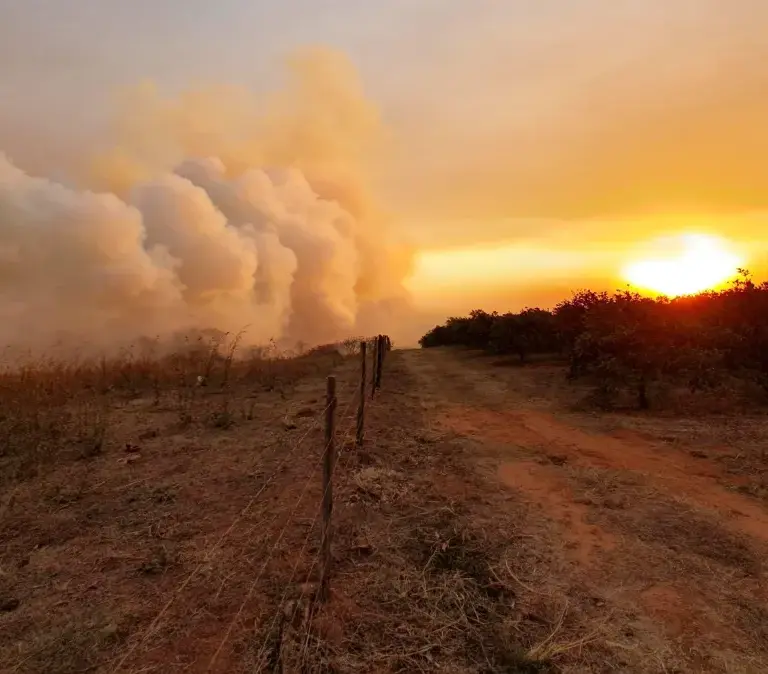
(489, 524)
(654, 526)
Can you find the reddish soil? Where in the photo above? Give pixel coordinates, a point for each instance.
(485, 526)
(677, 555)
(677, 472)
(554, 495)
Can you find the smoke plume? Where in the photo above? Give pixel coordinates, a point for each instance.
(217, 209)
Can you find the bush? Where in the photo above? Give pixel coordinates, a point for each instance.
(626, 341)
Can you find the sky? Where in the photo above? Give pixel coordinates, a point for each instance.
(553, 137)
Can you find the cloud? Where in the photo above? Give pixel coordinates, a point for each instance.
(204, 214)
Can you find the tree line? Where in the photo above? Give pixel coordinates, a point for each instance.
(625, 340)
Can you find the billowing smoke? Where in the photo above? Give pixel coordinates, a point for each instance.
(218, 209)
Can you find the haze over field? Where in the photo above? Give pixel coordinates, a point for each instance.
(175, 164)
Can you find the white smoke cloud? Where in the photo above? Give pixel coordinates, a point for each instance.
(178, 226)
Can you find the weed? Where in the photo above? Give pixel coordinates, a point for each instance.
(222, 418)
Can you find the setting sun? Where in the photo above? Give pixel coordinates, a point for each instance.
(699, 262)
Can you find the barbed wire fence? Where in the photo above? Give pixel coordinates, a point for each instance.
(352, 425)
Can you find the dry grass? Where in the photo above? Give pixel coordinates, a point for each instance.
(54, 411)
(634, 550)
(435, 572)
(189, 544)
(119, 477)
(151, 524)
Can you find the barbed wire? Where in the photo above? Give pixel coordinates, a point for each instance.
(315, 557)
(152, 628)
(274, 547)
(337, 465)
(347, 436)
(305, 646)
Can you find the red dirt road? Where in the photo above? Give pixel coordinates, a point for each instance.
(675, 556)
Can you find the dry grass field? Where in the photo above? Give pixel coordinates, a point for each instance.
(490, 524)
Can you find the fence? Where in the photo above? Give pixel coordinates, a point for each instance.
(334, 427)
(382, 345)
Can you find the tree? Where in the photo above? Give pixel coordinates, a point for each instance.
(626, 340)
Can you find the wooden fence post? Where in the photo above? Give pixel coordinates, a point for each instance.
(329, 460)
(361, 404)
(374, 366)
(380, 359)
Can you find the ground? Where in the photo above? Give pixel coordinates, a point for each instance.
(489, 524)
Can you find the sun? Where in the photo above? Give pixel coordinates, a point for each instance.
(685, 265)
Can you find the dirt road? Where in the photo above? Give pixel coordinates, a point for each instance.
(644, 547)
(485, 527)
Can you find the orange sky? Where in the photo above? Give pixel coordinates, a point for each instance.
(600, 254)
(530, 148)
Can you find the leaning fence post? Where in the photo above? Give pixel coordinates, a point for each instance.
(361, 403)
(374, 365)
(329, 459)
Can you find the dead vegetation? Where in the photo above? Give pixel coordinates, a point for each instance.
(192, 544)
(190, 540)
(119, 475)
(656, 554)
(423, 580)
(62, 410)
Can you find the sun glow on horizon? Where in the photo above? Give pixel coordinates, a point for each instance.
(704, 263)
